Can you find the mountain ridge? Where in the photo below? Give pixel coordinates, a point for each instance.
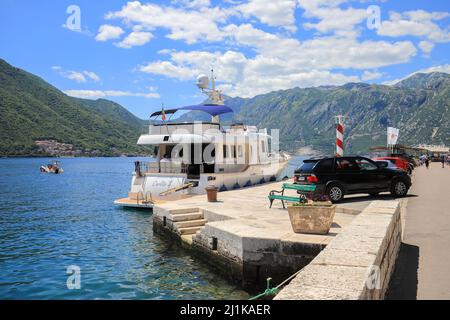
(418, 105)
(33, 110)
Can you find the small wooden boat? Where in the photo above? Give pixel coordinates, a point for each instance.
(53, 167)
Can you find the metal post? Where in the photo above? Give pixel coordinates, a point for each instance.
(339, 135)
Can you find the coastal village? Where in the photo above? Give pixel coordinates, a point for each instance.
(55, 148)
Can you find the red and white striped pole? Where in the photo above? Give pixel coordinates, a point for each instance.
(340, 136)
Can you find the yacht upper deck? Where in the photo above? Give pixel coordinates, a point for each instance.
(182, 127)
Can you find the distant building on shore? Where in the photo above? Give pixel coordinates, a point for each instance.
(435, 151)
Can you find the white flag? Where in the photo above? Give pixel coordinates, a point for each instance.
(392, 135)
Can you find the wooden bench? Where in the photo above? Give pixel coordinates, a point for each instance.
(303, 188)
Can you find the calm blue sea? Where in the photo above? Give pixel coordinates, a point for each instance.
(51, 222)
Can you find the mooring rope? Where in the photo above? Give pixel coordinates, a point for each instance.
(273, 291)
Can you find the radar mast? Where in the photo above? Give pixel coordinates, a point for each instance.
(214, 95)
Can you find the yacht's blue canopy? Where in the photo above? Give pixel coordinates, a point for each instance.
(212, 109)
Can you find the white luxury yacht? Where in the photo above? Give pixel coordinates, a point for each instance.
(191, 156)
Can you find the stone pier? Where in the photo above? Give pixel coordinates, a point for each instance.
(242, 238)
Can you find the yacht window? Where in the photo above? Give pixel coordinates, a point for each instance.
(168, 153)
(263, 146)
(240, 152)
(233, 151)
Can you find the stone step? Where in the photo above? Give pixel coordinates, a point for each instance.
(189, 230)
(182, 211)
(187, 239)
(191, 223)
(186, 217)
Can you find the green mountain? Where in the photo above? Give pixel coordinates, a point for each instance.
(419, 106)
(32, 110)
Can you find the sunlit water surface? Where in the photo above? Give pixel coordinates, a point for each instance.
(51, 222)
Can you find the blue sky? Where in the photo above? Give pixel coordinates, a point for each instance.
(142, 54)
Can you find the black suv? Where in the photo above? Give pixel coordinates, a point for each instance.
(338, 176)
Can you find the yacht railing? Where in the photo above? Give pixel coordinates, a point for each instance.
(142, 167)
(164, 166)
(170, 128)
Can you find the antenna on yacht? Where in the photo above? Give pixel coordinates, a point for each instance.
(214, 95)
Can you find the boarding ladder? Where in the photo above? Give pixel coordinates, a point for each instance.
(176, 189)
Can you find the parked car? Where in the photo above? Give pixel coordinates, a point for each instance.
(399, 162)
(386, 164)
(406, 157)
(338, 176)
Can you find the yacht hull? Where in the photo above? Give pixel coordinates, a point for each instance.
(152, 188)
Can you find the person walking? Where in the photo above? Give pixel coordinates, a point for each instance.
(422, 159)
(427, 161)
(443, 160)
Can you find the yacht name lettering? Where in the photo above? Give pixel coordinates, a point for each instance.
(161, 184)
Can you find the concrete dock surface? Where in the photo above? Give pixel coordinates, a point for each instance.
(246, 212)
(244, 218)
(240, 230)
(427, 235)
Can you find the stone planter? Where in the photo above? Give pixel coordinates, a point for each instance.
(311, 218)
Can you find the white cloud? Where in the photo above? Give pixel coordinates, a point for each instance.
(194, 3)
(417, 23)
(96, 94)
(135, 38)
(77, 76)
(332, 18)
(421, 15)
(108, 32)
(426, 47)
(168, 69)
(323, 52)
(255, 84)
(280, 13)
(282, 62)
(241, 76)
(92, 75)
(188, 25)
(371, 75)
(277, 60)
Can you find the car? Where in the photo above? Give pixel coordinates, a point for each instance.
(386, 164)
(411, 160)
(336, 177)
(399, 162)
